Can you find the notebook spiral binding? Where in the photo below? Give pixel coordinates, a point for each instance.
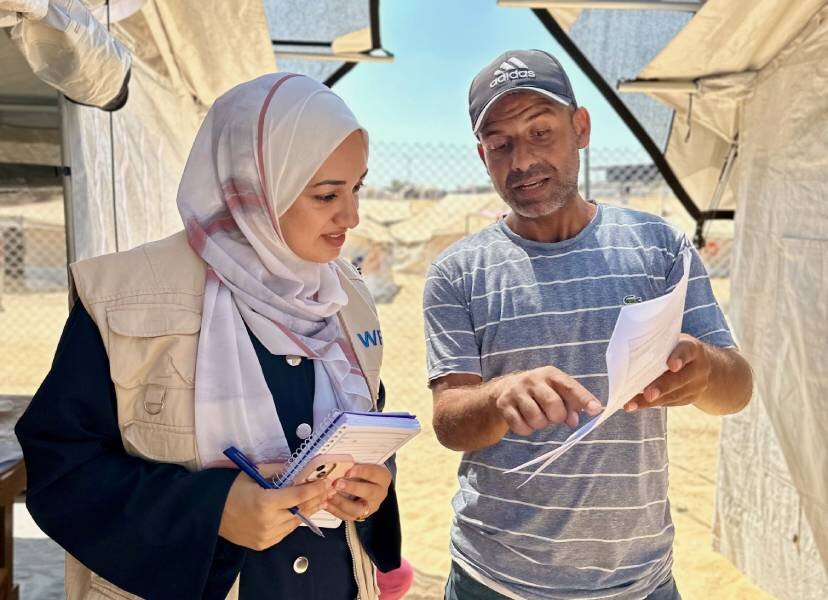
(309, 444)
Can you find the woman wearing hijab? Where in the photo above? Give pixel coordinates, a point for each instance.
(240, 332)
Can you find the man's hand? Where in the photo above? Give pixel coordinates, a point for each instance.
(470, 415)
(536, 399)
(688, 376)
(360, 493)
(257, 518)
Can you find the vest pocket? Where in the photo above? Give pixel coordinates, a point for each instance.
(152, 355)
(100, 588)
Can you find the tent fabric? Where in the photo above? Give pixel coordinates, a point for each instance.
(615, 44)
(13, 11)
(140, 206)
(114, 10)
(731, 36)
(185, 55)
(26, 137)
(65, 37)
(215, 45)
(17, 79)
(772, 503)
(721, 48)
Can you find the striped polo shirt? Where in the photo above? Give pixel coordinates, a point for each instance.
(596, 523)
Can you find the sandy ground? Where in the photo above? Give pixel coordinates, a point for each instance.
(30, 326)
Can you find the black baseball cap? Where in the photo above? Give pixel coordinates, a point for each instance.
(517, 71)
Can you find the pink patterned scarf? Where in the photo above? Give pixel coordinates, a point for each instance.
(258, 147)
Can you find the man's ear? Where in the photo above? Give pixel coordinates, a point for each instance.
(582, 124)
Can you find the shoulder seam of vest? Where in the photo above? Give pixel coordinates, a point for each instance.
(140, 253)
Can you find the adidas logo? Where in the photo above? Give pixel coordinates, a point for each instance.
(511, 69)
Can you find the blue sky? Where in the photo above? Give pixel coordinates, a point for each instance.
(440, 45)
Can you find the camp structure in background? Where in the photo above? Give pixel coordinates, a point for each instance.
(370, 248)
(325, 38)
(728, 97)
(438, 224)
(182, 54)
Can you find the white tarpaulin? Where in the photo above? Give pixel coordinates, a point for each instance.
(13, 11)
(69, 49)
(761, 66)
(186, 53)
(720, 49)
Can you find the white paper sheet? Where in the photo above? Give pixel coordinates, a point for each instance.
(644, 336)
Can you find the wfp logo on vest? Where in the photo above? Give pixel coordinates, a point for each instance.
(370, 338)
(511, 69)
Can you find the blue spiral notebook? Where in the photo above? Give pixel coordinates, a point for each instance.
(368, 437)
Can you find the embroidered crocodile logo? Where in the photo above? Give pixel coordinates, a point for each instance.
(632, 299)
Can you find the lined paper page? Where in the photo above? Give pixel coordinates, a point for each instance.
(370, 438)
(367, 444)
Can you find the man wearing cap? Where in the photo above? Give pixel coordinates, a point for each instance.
(518, 317)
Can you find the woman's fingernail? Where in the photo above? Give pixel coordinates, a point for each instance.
(631, 406)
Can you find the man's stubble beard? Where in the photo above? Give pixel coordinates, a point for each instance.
(561, 193)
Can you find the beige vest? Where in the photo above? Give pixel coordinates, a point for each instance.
(147, 305)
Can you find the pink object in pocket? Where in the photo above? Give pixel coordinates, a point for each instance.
(394, 584)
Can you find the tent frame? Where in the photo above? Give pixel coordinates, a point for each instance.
(605, 4)
(700, 216)
(375, 54)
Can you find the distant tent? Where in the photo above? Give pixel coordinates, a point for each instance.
(385, 212)
(370, 247)
(427, 233)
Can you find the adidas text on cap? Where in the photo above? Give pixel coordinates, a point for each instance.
(516, 71)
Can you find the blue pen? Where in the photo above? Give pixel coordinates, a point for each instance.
(244, 463)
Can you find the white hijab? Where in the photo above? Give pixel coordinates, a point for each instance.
(257, 149)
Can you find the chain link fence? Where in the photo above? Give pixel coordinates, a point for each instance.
(33, 280)
(419, 200)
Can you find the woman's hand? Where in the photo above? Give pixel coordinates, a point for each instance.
(360, 493)
(257, 518)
